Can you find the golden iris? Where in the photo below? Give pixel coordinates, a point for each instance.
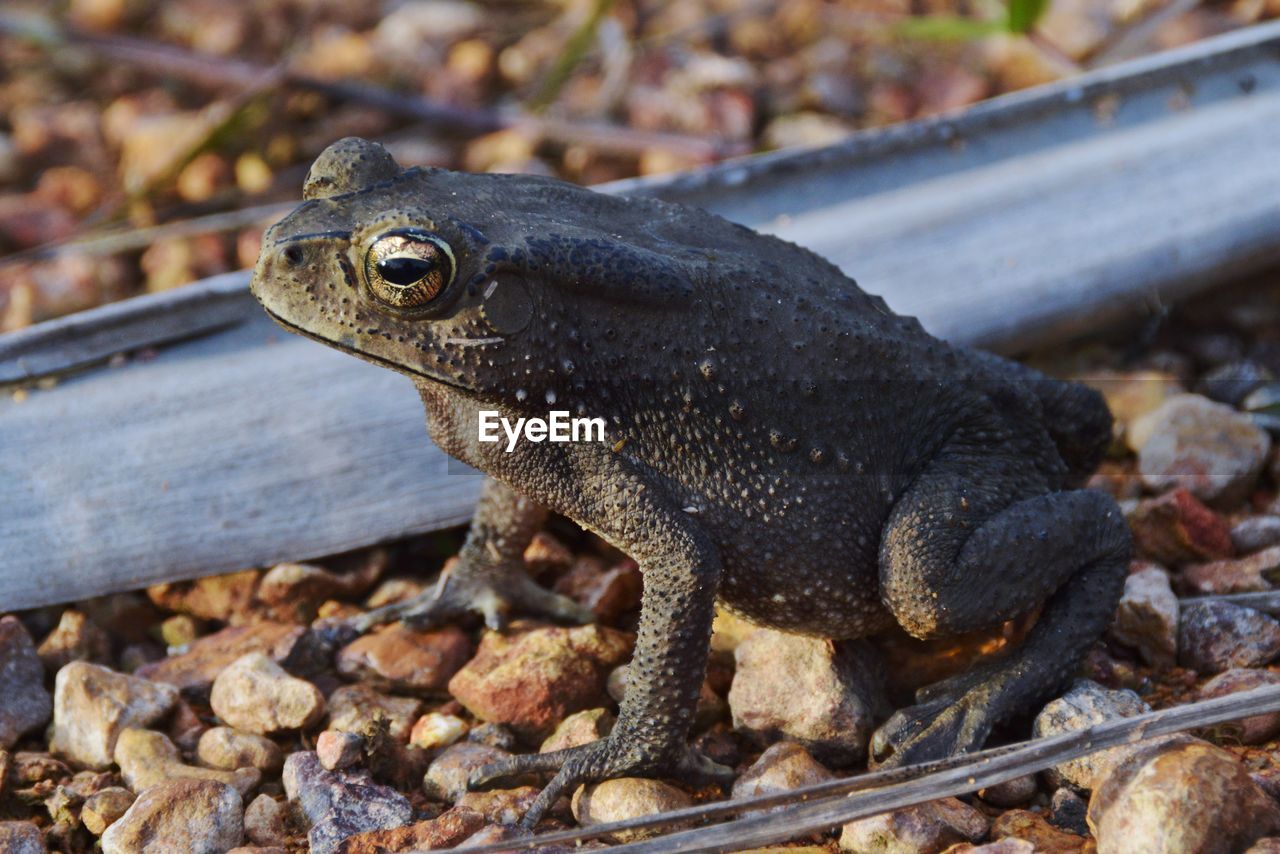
(408, 269)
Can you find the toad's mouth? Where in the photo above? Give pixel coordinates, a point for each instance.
(363, 356)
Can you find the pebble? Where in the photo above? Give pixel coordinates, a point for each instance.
(608, 591)
(1232, 382)
(1084, 704)
(1177, 528)
(256, 695)
(1067, 811)
(293, 592)
(435, 730)
(578, 729)
(829, 701)
(446, 777)
(228, 748)
(147, 758)
(227, 598)
(1011, 793)
(783, 767)
(530, 679)
(624, 798)
(444, 831)
(1255, 729)
(196, 816)
(1210, 449)
(25, 705)
(401, 660)
(21, 837)
(501, 806)
(1147, 617)
(1255, 533)
(1132, 394)
(266, 821)
(1180, 795)
(545, 554)
(1032, 827)
(1247, 574)
(179, 631)
(104, 807)
(195, 670)
(356, 708)
(92, 705)
(1217, 636)
(76, 638)
(340, 804)
(918, 829)
(1008, 845)
(338, 750)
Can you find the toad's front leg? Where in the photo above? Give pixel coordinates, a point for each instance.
(681, 568)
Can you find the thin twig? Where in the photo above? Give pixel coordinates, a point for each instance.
(1267, 601)
(825, 805)
(211, 71)
(574, 50)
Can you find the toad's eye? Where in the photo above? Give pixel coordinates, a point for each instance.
(408, 268)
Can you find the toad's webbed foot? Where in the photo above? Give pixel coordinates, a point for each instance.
(944, 723)
(493, 592)
(617, 755)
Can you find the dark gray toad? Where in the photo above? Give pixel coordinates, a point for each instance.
(777, 439)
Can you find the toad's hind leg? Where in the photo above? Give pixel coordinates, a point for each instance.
(953, 562)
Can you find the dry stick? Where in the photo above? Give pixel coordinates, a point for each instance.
(1267, 601)
(212, 71)
(828, 804)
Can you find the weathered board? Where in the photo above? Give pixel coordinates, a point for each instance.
(1021, 221)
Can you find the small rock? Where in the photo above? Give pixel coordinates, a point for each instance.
(607, 591)
(266, 821)
(227, 748)
(1235, 575)
(1032, 827)
(186, 727)
(104, 807)
(1217, 636)
(829, 702)
(1085, 704)
(531, 679)
(1011, 793)
(1255, 533)
(545, 553)
(21, 837)
(501, 806)
(922, 828)
(783, 767)
(197, 816)
(1255, 729)
(578, 729)
(293, 592)
(1147, 617)
(1182, 795)
(446, 777)
(1210, 449)
(24, 702)
(195, 670)
(1269, 845)
(394, 590)
(444, 831)
(338, 750)
(256, 695)
(93, 705)
(1008, 845)
(340, 804)
(494, 735)
(1067, 812)
(1132, 394)
(178, 631)
(624, 798)
(355, 708)
(76, 638)
(402, 660)
(147, 758)
(227, 598)
(1231, 383)
(435, 730)
(1176, 528)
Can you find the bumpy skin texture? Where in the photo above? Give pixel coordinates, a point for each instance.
(777, 439)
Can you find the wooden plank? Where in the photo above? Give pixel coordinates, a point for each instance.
(1022, 220)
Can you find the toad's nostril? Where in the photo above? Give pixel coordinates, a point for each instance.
(293, 256)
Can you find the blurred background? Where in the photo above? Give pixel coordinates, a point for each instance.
(146, 144)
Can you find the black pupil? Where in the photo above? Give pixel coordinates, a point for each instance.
(404, 271)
